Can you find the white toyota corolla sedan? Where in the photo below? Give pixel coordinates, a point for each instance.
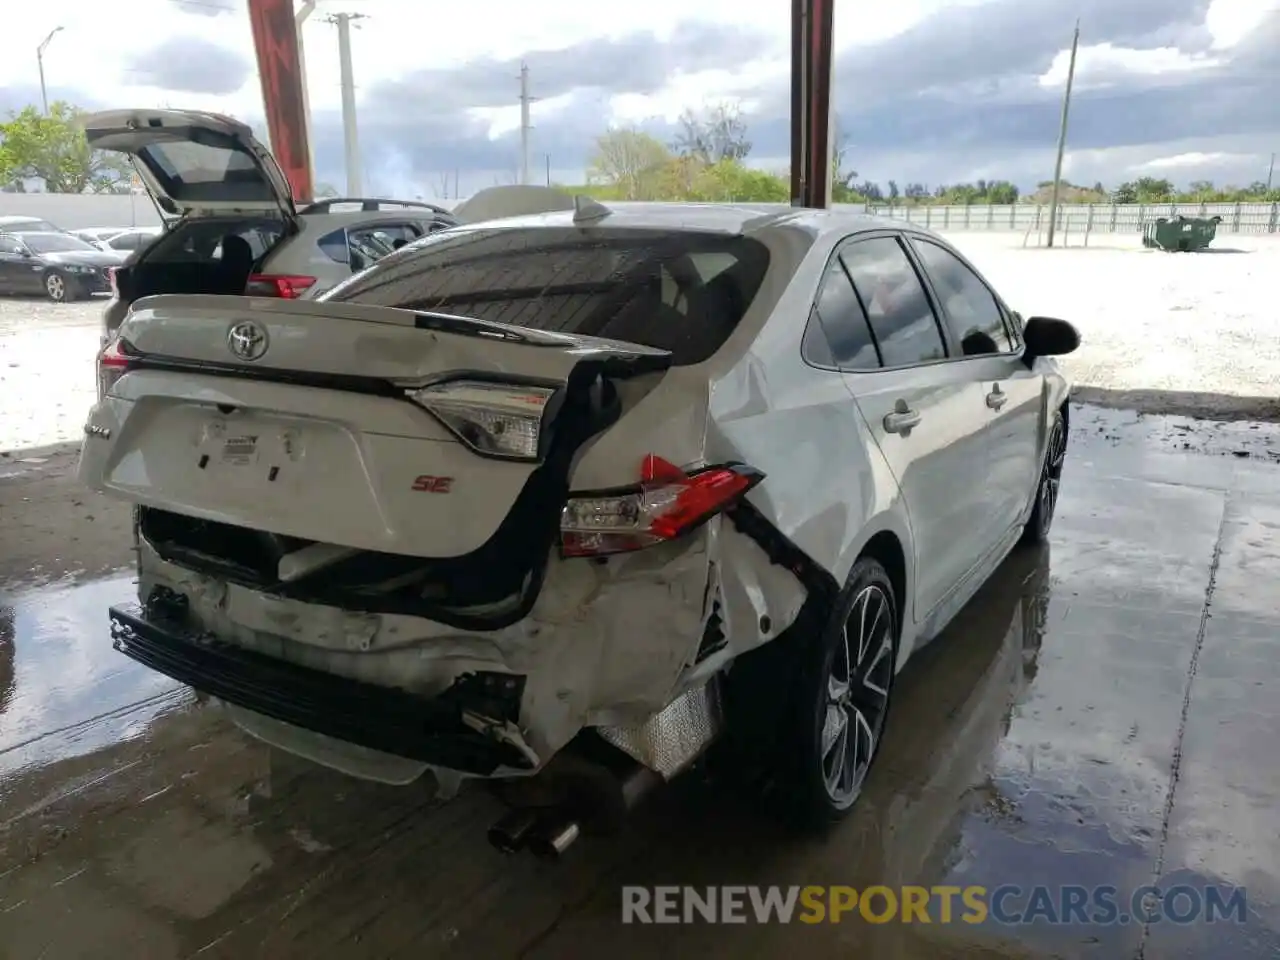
(575, 493)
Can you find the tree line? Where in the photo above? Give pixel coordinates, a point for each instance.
(706, 161)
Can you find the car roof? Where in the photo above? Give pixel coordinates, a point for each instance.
(21, 219)
(713, 217)
(46, 233)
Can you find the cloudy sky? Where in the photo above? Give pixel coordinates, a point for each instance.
(926, 90)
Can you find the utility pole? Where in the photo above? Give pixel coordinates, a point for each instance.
(1062, 137)
(308, 7)
(1270, 170)
(44, 95)
(525, 125)
(350, 134)
(548, 156)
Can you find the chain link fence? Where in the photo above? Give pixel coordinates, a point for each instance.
(1256, 218)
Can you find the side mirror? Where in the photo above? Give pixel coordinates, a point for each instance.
(1048, 337)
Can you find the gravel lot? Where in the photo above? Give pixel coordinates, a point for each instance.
(46, 370)
(1192, 334)
(1168, 333)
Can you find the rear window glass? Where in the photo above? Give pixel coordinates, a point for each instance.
(189, 171)
(676, 290)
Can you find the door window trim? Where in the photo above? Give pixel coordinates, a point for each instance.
(941, 312)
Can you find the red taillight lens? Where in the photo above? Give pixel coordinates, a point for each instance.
(112, 364)
(665, 505)
(286, 286)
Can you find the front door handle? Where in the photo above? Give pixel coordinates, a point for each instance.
(901, 420)
(997, 398)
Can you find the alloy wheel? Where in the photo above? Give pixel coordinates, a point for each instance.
(56, 287)
(1052, 478)
(857, 695)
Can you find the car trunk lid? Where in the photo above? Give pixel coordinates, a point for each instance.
(368, 428)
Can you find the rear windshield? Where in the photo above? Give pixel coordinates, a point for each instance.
(676, 290)
(190, 172)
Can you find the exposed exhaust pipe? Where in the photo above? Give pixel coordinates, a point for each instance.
(548, 832)
(511, 833)
(553, 837)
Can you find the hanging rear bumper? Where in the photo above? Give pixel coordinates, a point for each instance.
(454, 730)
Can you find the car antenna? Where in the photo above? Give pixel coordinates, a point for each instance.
(585, 209)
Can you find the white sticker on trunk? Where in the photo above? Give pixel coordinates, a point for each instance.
(240, 451)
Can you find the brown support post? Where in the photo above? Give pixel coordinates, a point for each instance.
(275, 40)
(811, 28)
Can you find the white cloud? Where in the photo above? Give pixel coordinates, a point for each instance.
(1230, 21)
(1194, 160)
(1103, 64)
(94, 52)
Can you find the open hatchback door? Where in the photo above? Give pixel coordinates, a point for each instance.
(193, 162)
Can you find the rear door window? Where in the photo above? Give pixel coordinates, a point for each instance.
(675, 290)
(360, 247)
(901, 316)
(838, 334)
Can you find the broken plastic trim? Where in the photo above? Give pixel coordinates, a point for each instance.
(455, 729)
(821, 586)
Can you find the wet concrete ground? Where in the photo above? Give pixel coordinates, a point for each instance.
(1105, 712)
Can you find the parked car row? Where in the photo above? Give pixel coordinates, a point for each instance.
(258, 242)
(58, 265)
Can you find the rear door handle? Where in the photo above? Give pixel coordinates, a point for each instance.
(901, 421)
(997, 398)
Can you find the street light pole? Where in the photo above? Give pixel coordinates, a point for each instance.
(44, 96)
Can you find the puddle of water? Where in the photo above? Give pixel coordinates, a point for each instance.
(1168, 433)
(64, 690)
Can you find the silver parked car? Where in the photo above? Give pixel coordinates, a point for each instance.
(583, 489)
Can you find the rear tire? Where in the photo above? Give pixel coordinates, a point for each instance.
(844, 684)
(1037, 529)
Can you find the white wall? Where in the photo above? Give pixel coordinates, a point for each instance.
(71, 211)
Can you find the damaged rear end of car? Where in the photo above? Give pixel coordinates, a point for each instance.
(453, 518)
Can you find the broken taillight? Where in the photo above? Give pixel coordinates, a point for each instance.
(112, 363)
(503, 420)
(111, 278)
(666, 504)
(285, 286)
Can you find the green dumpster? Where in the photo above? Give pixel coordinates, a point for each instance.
(1180, 233)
